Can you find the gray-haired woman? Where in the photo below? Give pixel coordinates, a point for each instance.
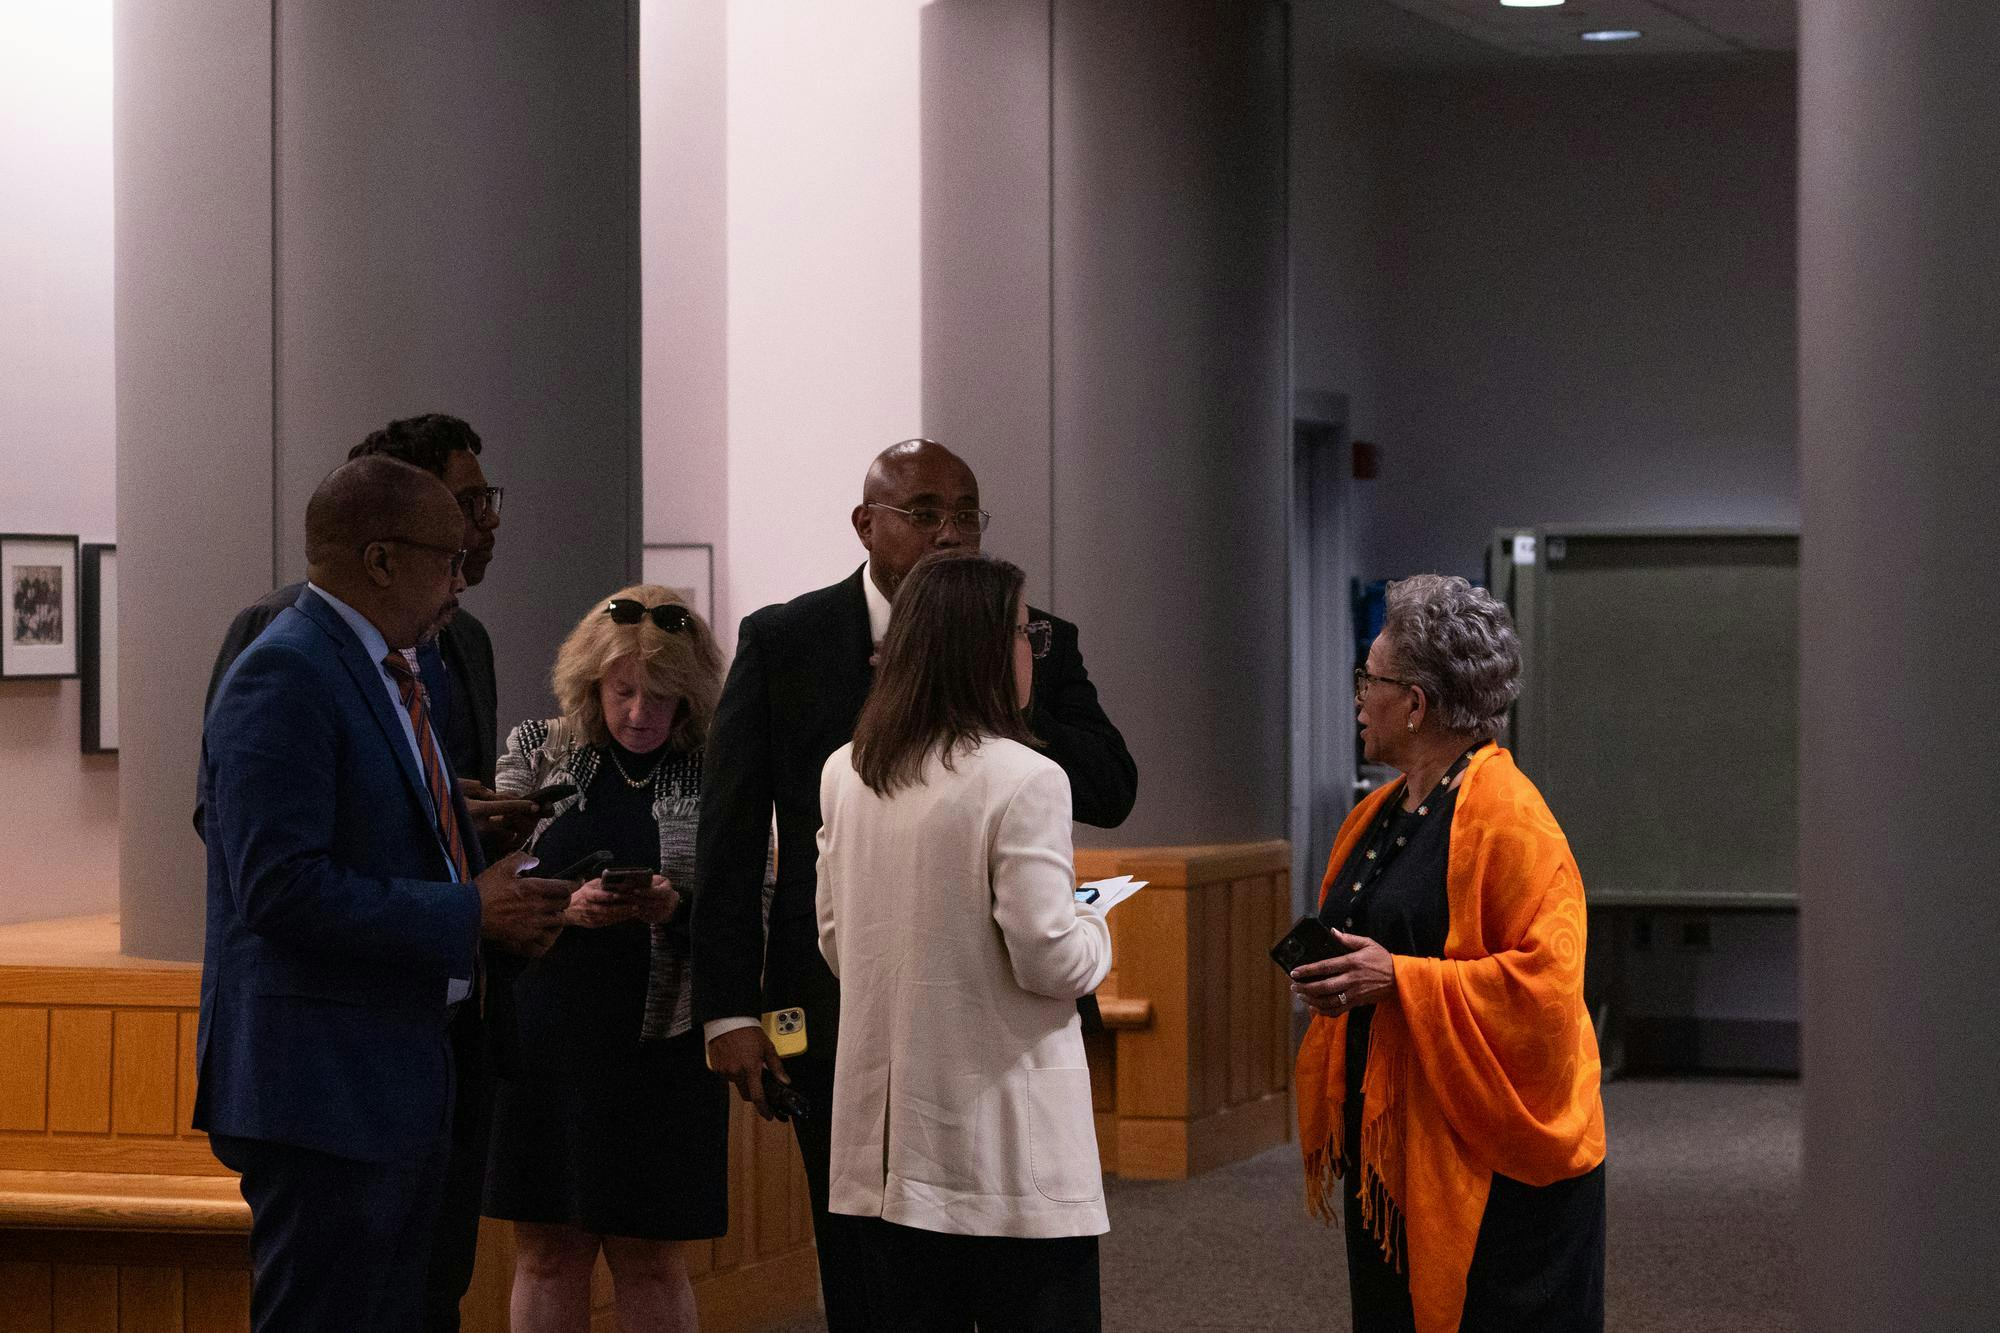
(1450, 1075)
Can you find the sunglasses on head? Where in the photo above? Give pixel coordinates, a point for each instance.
(671, 617)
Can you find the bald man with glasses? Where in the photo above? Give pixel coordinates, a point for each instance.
(801, 672)
(454, 662)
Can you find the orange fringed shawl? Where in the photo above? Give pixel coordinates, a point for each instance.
(1482, 1061)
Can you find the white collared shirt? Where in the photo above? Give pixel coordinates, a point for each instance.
(878, 607)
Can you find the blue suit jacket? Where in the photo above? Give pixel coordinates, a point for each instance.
(333, 926)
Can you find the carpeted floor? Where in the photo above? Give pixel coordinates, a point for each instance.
(1703, 1185)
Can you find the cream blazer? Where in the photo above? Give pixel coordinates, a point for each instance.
(961, 1101)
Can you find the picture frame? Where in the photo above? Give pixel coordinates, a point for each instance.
(686, 567)
(38, 606)
(98, 646)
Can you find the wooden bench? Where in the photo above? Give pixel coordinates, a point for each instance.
(114, 1215)
(115, 1201)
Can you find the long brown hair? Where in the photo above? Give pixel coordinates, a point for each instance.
(947, 670)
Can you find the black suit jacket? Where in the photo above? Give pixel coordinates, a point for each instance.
(794, 693)
(462, 663)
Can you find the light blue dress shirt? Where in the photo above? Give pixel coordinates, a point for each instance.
(377, 648)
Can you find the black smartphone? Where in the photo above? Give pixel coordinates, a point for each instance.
(1307, 942)
(549, 795)
(587, 868)
(786, 1102)
(627, 879)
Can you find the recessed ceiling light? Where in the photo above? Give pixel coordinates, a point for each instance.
(1530, 4)
(1611, 35)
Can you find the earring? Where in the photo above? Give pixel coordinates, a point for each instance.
(1413, 724)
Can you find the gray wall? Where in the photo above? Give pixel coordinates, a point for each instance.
(1105, 339)
(1559, 297)
(1591, 311)
(329, 216)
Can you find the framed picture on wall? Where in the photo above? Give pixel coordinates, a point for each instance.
(38, 606)
(687, 568)
(99, 648)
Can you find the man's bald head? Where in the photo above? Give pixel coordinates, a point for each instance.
(909, 484)
(388, 540)
(890, 473)
(375, 498)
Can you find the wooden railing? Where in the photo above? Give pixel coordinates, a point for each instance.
(114, 1215)
(112, 1208)
(1194, 1067)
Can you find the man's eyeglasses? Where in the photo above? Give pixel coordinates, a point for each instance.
(933, 520)
(1041, 636)
(457, 553)
(1362, 677)
(671, 617)
(481, 504)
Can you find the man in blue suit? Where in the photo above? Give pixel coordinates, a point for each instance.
(345, 908)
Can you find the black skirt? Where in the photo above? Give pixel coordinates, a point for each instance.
(639, 1148)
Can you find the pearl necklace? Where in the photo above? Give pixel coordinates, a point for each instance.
(636, 784)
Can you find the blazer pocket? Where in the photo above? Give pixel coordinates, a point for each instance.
(1062, 1136)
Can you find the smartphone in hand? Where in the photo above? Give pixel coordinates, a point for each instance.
(627, 879)
(1309, 941)
(586, 868)
(546, 797)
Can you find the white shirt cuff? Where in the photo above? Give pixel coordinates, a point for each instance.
(715, 1027)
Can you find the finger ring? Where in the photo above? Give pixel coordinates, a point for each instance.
(1340, 998)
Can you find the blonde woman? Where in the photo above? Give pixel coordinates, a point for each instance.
(609, 1133)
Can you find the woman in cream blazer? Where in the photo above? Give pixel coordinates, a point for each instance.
(961, 1119)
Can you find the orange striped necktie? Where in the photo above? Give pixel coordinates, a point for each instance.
(434, 770)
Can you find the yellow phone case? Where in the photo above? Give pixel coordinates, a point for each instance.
(787, 1030)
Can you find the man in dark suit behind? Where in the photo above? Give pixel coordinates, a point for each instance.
(456, 666)
(800, 675)
(345, 908)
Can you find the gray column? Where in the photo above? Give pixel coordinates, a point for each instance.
(192, 179)
(330, 216)
(1105, 316)
(1899, 319)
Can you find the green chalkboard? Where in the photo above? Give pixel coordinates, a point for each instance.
(1659, 706)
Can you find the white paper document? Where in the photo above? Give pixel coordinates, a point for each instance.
(1111, 892)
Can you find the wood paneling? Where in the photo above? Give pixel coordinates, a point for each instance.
(102, 1152)
(25, 1296)
(80, 1071)
(150, 1300)
(1200, 1064)
(217, 1300)
(144, 1074)
(24, 1055)
(184, 1064)
(99, 1054)
(86, 1298)
(81, 986)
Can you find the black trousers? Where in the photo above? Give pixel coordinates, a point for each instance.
(844, 1243)
(930, 1282)
(454, 1241)
(1538, 1266)
(335, 1244)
